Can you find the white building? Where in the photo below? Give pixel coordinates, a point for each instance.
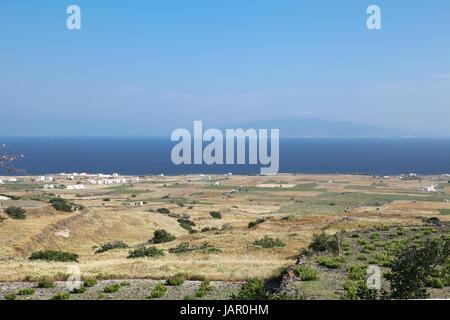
(1, 181)
(76, 187)
(430, 189)
(4, 198)
(44, 179)
(12, 180)
(49, 186)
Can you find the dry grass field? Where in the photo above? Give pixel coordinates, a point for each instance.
(295, 207)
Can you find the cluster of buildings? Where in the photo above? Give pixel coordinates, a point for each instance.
(116, 180)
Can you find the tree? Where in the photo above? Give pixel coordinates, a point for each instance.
(412, 265)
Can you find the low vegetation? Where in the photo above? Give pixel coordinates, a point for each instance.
(268, 242)
(61, 296)
(215, 215)
(117, 244)
(185, 247)
(158, 291)
(162, 236)
(16, 213)
(143, 252)
(51, 255)
(306, 273)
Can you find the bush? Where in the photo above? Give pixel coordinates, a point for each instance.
(305, 252)
(268, 242)
(116, 244)
(356, 272)
(204, 288)
(145, 252)
(163, 210)
(111, 288)
(253, 289)
(61, 204)
(25, 292)
(413, 265)
(50, 255)
(125, 284)
(306, 273)
(81, 289)
(10, 296)
(331, 262)
(185, 247)
(434, 283)
(159, 290)
(174, 281)
(161, 236)
(186, 224)
(45, 284)
(61, 296)
(90, 282)
(16, 213)
(215, 215)
(323, 242)
(251, 224)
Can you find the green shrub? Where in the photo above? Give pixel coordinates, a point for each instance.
(90, 282)
(204, 288)
(356, 272)
(145, 252)
(111, 288)
(81, 289)
(163, 210)
(186, 224)
(355, 235)
(158, 291)
(185, 247)
(253, 289)
(61, 296)
(16, 213)
(161, 236)
(61, 204)
(174, 281)
(434, 283)
(268, 242)
(10, 296)
(215, 215)
(362, 242)
(45, 284)
(323, 242)
(51, 255)
(306, 273)
(412, 266)
(25, 292)
(125, 284)
(331, 262)
(251, 224)
(117, 244)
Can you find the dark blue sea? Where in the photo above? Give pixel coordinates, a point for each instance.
(140, 156)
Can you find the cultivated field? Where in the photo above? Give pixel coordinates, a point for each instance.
(291, 207)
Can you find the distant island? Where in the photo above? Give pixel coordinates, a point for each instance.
(320, 128)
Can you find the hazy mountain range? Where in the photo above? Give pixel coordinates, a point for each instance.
(319, 128)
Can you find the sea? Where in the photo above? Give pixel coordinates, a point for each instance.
(144, 155)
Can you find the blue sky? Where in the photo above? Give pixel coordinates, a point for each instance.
(140, 67)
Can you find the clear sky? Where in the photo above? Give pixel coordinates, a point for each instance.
(137, 67)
